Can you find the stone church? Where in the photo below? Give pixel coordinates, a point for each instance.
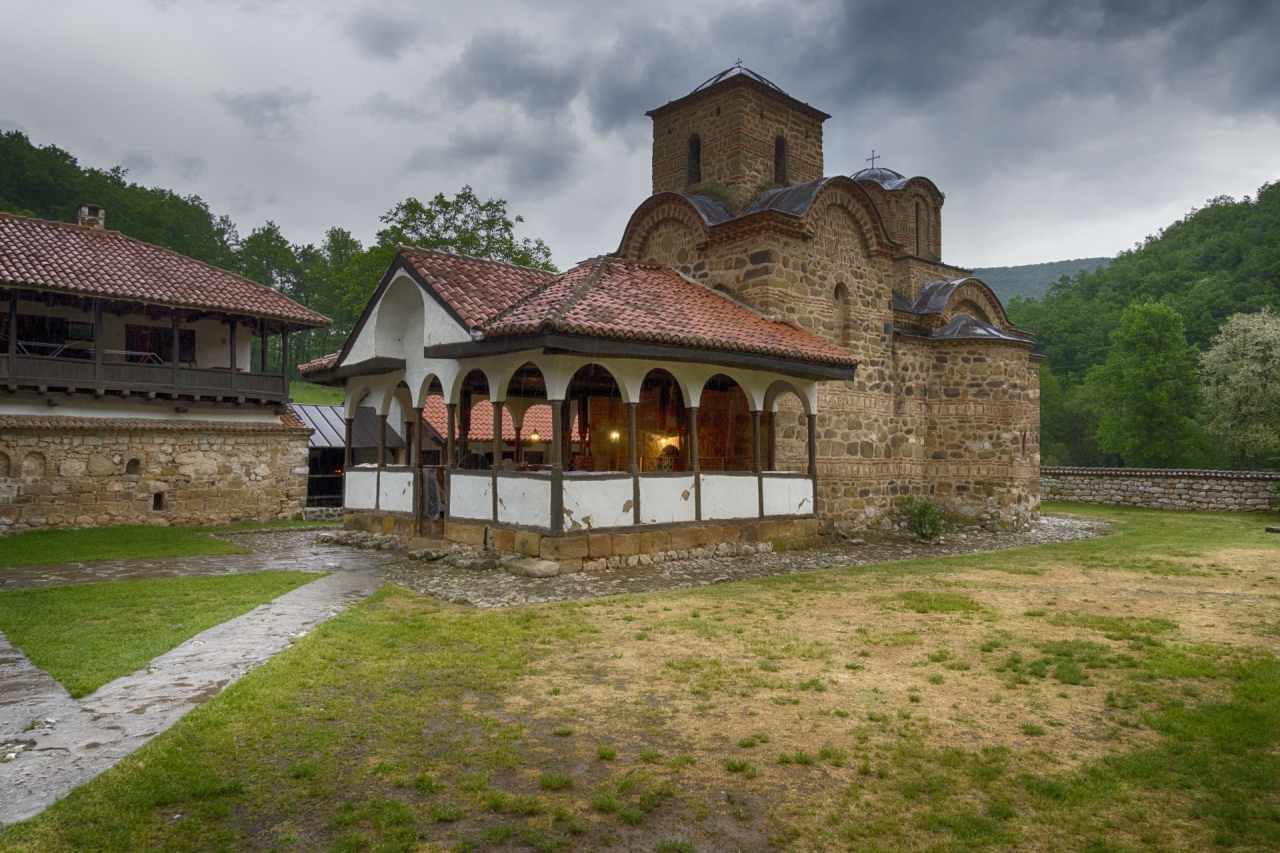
(946, 400)
(767, 350)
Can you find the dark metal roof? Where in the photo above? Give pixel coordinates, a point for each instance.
(886, 178)
(330, 427)
(964, 327)
(734, 71)
(710, 209)
(794, 201)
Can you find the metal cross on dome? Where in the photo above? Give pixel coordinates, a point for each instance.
(738, 65)
(873, 158)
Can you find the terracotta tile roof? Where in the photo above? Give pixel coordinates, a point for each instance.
(324, 362)
(289, 423)
(625, 300)
(476, 288)
(40, 254)
(537, 418)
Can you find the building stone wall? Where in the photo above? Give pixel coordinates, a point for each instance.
(899, 209)
(84, 472)
(1221, 491)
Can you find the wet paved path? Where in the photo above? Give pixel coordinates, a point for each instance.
(283, 550)
(76, 739)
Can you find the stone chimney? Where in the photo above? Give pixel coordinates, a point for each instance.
(93, 216)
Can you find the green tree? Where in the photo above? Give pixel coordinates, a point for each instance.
(1147, 392)
(1242, 384)
(465, 225)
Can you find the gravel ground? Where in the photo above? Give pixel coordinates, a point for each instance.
(497, 588)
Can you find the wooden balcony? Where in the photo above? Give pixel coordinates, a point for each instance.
(72, 375)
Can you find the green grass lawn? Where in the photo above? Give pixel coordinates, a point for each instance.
(1093, 696)
(309, 392)
(85, 635)
(123, 542)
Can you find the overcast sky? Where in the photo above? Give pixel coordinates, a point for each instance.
(1056, 129)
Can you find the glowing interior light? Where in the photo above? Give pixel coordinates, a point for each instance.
(614, 435)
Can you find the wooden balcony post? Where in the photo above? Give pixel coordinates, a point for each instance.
(773, 441)
(382, 441)
(97, 347)
(284, 360)
(13, 323)
(231, 338)
(262, 339)
(693, 438)
(176, 323)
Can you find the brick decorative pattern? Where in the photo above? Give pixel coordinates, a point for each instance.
(1221, 491)
(99, 475)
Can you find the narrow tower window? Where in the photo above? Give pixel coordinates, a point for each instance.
(917, 229)
(780, 161)
(842, 315)
(693, 170)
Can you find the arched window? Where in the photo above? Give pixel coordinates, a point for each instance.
(693, 168)
(842, 315)
(780, 161)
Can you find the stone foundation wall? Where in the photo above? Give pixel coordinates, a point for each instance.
(88, 472)
(1222, 491)
(595, 551)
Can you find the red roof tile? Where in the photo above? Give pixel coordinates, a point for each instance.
(476, 288)
(40, 254)
(625, 300)
(536, 419)
(324, 362)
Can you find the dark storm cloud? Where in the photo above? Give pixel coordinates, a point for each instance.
(380, 33)
(504, 66)
(527, 158)
(269, 113)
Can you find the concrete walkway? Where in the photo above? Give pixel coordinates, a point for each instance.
(76, 739)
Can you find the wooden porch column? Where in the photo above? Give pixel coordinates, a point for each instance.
(558, 418)
(633, 462)
(813, 445)
(382, 441)
(693, 438)
(519, 451)
(451, 446)
(693, 463)
(262, 338)
(415, 447)
(773, 441)
(756, 461)
(346, 445)
(497, 453)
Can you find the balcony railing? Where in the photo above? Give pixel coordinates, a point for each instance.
(44, 372)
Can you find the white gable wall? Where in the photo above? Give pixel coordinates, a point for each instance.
(404, 320)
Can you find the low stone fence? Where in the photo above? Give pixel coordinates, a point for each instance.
(1154, 488)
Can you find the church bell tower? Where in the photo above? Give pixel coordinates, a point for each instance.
(734, 137)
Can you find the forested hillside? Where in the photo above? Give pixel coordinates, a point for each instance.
(1218, 261)
(334, 278)
(1033, 281)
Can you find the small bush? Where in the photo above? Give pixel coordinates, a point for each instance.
(923, 518)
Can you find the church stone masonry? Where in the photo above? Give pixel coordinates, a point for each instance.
(945, 402)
